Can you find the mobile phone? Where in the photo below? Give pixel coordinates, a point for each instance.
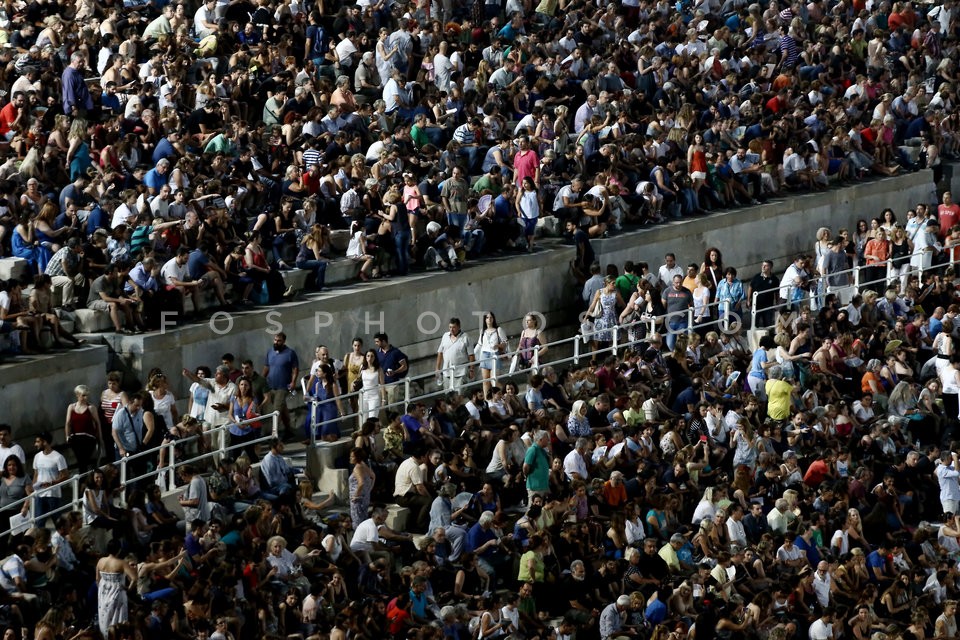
(703, 438)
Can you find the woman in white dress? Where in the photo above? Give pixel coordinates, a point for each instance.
(112, 588)
(386, 55)
(373, 392)
(943, 345)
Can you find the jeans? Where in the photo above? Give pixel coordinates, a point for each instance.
(319, 268)
(675, 325)
(43, 507)
(458, 220)
(401, 238)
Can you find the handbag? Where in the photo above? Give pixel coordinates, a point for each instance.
(357, 385)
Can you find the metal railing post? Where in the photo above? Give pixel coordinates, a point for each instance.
(725, 323)
(171, 466)
(276, 424)
(406, 392)
(493, 369)
(689, 321)
(75, 487)
(123, 472)
(313, 422)
(536, 359)
(616, 335)
(576, 351)
(856, 277)
(753, 310)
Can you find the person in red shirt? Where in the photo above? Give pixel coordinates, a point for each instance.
(948, 213)
(819, 470)
(11, 114)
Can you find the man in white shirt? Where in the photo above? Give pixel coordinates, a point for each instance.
(410, 489)
(217, 410)
(669, 268)
(8, 447)
(442, 68)
(49, 469)
(822, 627)
(947, 474)
(453, 356)
(205, 19)
(823, 584)
(176, 279)
(777, 519)
(367, 536)
(735, 531)
(575, 462)
(347, 51)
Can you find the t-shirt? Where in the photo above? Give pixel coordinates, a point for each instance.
(197, 489)
(172, 271)
(539, 462)
(281, 364)
(675, 301)
(778, 399)
(949, 216)
(365, 535)
(47, 467)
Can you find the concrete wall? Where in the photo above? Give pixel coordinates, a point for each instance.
(775, 231)
(33, 395)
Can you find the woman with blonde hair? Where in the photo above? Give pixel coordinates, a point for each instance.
(309, 257)
(78, 154)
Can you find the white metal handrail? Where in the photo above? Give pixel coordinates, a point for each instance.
(77, 490)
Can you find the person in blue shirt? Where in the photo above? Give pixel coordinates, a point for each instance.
(730, 289)
(877, 566)
(281, 368)
(167, 147)
(804, 542)
(157, 177)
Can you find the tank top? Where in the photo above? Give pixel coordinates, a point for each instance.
(109, 407)
(414, 202)
(82, 423)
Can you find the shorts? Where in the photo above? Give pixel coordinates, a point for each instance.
(98, 305)
(529, 226)
(486, 360)
(698, 175)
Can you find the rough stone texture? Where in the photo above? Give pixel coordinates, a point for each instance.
(12, 268)
(510, 286)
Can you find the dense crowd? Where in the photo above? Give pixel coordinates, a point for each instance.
(685, 487)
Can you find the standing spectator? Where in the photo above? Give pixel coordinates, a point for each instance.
(394, 365)
(49, 470)
(455, 359)
(676, 300)
(281, 368)
(536, 466)
(76, 97)
(82, 430)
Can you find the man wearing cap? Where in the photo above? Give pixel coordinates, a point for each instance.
(612, 620)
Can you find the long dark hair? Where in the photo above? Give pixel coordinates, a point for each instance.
(494, 325)
(366, 362)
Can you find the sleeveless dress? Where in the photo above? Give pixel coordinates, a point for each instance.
(327, 416)
(111, 600)
(359, 502)
(527, 346)
(353, 364)
(606, 324)
(370, 396)
(80, 162)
